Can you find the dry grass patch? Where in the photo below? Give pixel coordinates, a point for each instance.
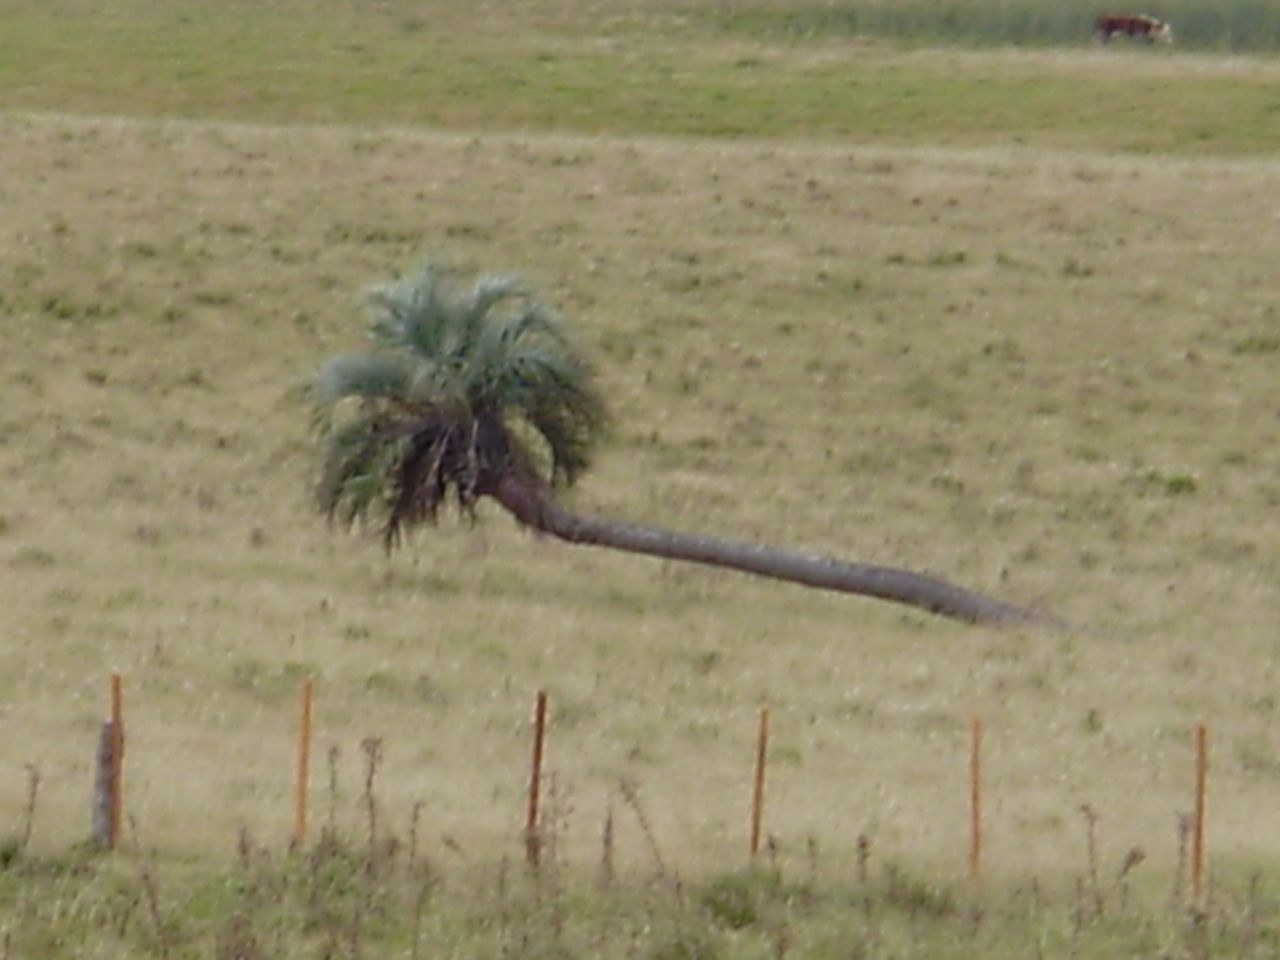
(1043, 375)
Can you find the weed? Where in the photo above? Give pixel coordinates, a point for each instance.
(1257, 345)
(741, 899)
(630, 794)
(947, 258)
(1090, 816)
(11, 849)
(917, 896)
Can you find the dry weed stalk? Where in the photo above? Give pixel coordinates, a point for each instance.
(414, 818)
(1091, 847)
(1037, 897)
(1080, 910)
(864, 873)
(29, 811)
(120, 910)
(605, 880)
(811, 857)
(976, 918)
(504, 867)
(355, 932)
(773, 850)
(331, 946)
(372, 747)
(1132, 860)
(632, 797)
(244, 848)
(504, 919)
(318, 914)
(549, 834)
(331, 826)
(425, 885)
(555, 822)
(1252, 926)
(147, 876)
(237, 940)
(1198, 933)
(781, 942)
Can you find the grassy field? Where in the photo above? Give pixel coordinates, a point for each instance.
(1031, 351)
(654, 67)
(1234, 26)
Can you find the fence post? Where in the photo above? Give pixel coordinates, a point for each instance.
(975, 799)
(101, 808)
(532, 841)
(1197, 824)
(757, 793)
(302, 773)
(117, 760)
(108, 785)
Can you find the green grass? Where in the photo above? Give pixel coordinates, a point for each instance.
(741, 74)
(1236, 26)
(342, 897)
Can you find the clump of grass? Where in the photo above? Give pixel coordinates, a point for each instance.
(11, 849)
(748, 898)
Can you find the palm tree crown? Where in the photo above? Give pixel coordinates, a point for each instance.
(458, 389)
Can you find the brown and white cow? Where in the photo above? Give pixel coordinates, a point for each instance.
(1138, 26)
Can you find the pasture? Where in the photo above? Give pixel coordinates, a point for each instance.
(1241, 26)
(994, 337)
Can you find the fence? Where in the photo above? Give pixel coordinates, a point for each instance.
(109, 795)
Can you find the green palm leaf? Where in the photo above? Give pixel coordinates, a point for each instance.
(454, 386)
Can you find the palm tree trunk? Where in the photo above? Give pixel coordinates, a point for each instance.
(535, 508)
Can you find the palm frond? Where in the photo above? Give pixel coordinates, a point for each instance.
(461, 387)
(420, 481)
(363, 377)
(569, 437)
(526, 367)
(552, 393)
(359, 457)
(375, 382)
(411, 314)
(477, 310)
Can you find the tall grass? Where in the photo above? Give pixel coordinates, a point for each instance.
(1239, 26)
(370, 891)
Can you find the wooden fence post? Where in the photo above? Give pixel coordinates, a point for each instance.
(117, 761)
(108, 787)
(532, 841)
(302, 774)
(100, 813)
(975, 799)
(757, 793)
(1197, 824)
